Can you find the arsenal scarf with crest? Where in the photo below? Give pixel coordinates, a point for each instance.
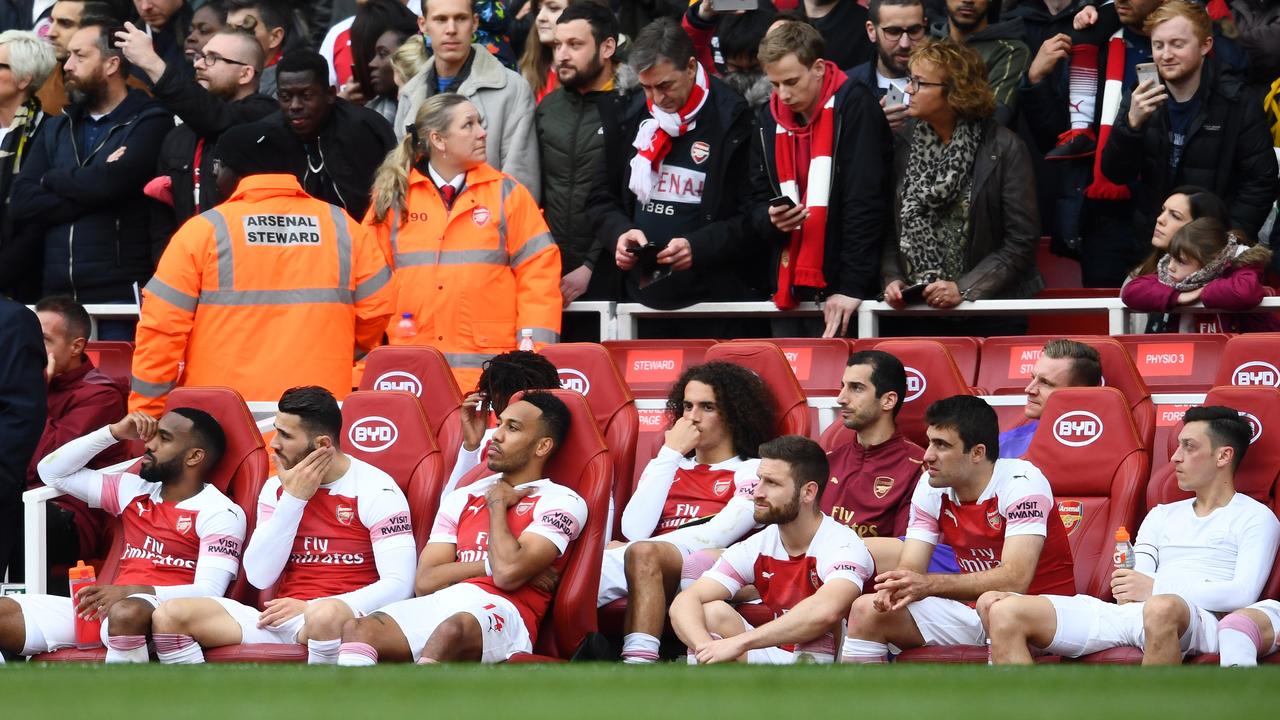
(653, 140)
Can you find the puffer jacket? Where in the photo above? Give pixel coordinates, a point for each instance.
(88, 202)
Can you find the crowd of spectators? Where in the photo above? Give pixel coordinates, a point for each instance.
(820, 150)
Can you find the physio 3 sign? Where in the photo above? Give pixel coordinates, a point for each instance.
(1077, 428)
(373, 434)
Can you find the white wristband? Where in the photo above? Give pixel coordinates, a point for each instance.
(488, 569)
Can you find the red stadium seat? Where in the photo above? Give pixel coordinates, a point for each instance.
(1250, 359)
(650, 367)
(965, 351)
(818, 364)
(1006, 369)
(589, 369)
(1176, 362)
(389, 431)
(1088, 447)
(1057, 271)
(1072, 324)
(424, 372)
(114, 358)
(582, 464)
(931, 375)
(240, 474)
(767, 361)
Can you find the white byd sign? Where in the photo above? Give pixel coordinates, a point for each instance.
(1255, 425)
(398, 380)
(373, 434)
(1077, 428)
(575, 381)
(916, 384)
(1256, 373)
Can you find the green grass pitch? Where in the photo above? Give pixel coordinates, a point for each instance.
(614, 692)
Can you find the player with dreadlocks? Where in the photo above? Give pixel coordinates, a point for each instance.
(501, 377)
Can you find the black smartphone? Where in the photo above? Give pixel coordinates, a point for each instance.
(782, 201)
(914, 294)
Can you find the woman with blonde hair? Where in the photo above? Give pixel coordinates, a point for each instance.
(475, 265)
(965, 222)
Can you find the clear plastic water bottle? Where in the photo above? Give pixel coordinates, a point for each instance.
(406, 327)
(526, 340)
(1123, 557)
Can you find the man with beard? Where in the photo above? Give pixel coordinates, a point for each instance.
(333, 538)
(574, 124)
(64, 21)
(489, 571)
(82, 183)
(1000, 46)
(807, 568)
(873, 475)
(223, 93)
(824, 144)
(895, 28)
(182, 537)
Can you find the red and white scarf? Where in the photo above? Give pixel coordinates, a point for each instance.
(810, 145)
(653, 141)
(1101, 188)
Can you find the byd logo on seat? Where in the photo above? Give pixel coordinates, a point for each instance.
(1256, 372)
(373, 434)
(398, 380)
(1077, 428)
(1255, 426)
(575, 381)
(916, 384)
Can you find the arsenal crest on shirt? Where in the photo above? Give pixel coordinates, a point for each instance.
(882, 485)
(700, 152)
(994, 520)
(480, 216)
(1071, 512)
(524, 506)
(344, 513)
(721, 487)
(814, 579)
(183, 525)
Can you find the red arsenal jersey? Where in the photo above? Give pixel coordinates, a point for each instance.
(552, 511)
(1017, 501)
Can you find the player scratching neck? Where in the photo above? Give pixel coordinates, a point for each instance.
(1205, 464)
(181, 449)
(788, 496)
(521, 444)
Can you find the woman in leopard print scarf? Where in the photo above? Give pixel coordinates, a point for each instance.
(935, 200)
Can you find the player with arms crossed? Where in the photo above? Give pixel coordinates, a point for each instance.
(807, 567)
(333, 537)
(182, 537)
(1194, 558)
(997, 514)
(695, 495)
(486, 576)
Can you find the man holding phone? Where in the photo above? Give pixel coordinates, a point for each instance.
(895, 27)
(824, 152)
(1197, 127)
(680, 183)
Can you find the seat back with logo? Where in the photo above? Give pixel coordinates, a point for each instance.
(1007, 363)
(931, 375)
(1259, 471)
(818, 364)
(423, 371)
(766, 360)
(1088, 448)
(650, 367)
(582, 464)
(1250, 359)
(589, 369)
(114, 358)
(1176, 362)
(964, 350)
(389, 431)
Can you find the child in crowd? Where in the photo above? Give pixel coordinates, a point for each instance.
(1208, 264)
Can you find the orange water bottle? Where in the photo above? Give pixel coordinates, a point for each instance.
(1123, 557)
(88, 632)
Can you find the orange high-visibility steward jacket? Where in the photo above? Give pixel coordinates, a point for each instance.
(270, 290)
(473, 276)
